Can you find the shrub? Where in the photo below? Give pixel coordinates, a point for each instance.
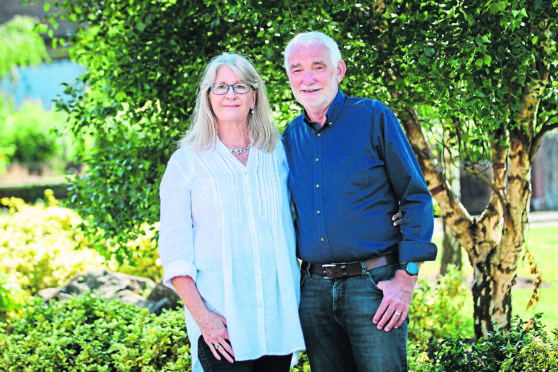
(436, 311)
(90, 334)
(526, 347)
(31, 134)
(40, 245)
(11, 295)
(142, 258)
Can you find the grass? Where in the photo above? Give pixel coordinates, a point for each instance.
(542, 242)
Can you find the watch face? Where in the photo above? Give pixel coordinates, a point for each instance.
(412, 268)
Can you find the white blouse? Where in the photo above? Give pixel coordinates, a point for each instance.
(229, 227)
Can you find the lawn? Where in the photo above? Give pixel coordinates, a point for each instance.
(543, 244)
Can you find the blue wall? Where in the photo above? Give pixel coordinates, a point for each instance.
(42, 82)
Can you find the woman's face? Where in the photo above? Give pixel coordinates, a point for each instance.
(231, 107)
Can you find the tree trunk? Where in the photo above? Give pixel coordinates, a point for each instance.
(493, 241)
(451, 251)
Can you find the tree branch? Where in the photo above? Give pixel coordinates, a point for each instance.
(543, 131)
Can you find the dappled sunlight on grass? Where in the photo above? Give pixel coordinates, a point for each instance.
(543, 244)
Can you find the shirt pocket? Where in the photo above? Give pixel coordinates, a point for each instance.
(352, 174)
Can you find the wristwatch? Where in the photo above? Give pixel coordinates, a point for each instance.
(410, 267)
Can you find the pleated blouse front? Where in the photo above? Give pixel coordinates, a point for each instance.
(229, 227)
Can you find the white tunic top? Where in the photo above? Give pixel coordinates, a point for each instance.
(229, 227)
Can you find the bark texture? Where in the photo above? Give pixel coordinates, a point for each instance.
(495, 239)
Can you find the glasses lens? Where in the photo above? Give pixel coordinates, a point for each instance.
(219, 88)
(241, 88)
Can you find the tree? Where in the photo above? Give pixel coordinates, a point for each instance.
(488, 69)
(472, 78)
(20, 45)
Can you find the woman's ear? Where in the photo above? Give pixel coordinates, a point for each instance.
(254, 100)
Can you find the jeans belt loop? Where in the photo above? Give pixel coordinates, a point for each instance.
(306, 267)
(364, 269)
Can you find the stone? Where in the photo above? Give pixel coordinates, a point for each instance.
(106, 284)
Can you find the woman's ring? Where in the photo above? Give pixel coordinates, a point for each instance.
(397, 313)
(217, 346)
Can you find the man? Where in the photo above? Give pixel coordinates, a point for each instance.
(351, 168)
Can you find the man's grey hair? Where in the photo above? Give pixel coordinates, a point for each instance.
(313, 37)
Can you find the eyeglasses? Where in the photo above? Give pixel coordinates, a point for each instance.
(238, 88)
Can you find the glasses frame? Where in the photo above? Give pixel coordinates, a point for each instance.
(229, 86)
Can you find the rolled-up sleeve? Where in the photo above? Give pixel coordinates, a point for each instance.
(176, 243)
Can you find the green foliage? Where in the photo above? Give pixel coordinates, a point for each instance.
(469, 61)
(11, 295)
(91, 334)
(142, 257)
(437, 311)
(41, 247)
(302, 365)
(526, 347)
(30, 134)
(20, 44)
(6, 149)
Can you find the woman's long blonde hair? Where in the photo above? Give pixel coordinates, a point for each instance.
(202, 133)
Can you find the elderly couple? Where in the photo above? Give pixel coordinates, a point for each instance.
(228, 243)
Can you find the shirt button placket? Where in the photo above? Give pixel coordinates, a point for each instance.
(318, 193)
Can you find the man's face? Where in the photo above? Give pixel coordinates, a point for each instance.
(313, 77)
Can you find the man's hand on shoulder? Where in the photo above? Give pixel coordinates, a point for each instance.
(398, 293)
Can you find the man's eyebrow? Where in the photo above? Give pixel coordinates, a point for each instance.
(295, 65)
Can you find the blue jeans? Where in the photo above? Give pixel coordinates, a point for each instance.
(336, 317)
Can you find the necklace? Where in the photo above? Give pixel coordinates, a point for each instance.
(238, 151)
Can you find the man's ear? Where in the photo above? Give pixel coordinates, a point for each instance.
(341, 69)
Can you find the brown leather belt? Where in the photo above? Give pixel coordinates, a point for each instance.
(343, 270)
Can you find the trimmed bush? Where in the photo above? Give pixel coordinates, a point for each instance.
(527, 347)
(90, 334)
(40, 246)
(32, 193)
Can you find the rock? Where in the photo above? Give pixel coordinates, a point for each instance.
(126, 288)
(162, 297)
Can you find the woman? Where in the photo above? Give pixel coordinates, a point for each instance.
(227, 242)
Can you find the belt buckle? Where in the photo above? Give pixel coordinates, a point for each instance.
(334, 271)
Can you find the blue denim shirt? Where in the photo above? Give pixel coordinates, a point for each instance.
(348, 177)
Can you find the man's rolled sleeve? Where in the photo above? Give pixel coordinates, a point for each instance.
(412, 251)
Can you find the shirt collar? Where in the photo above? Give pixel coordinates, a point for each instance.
(334, 109)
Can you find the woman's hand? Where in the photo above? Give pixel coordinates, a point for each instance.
(212, 325)
(214, 331)
(396, 218)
